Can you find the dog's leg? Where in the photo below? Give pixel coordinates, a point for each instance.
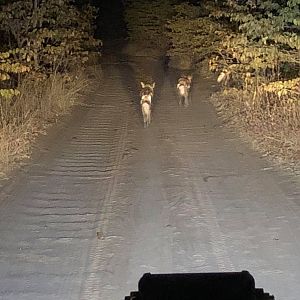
(190, 97)
(149, 117)
(181, 93)
(145, 121)
(144, 115)
(179, 96)
(186, 97)
(179, 100)
(186, 100)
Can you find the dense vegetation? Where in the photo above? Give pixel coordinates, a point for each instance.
(253, 47)
(42, 41)
(42, 37)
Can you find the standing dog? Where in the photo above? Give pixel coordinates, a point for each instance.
(183, 88)
(146, 94)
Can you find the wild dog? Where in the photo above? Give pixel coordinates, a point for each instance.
(183, 88)
(146, 94)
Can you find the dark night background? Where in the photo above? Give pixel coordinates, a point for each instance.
(110, 22)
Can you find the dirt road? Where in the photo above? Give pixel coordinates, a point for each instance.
(106, 200)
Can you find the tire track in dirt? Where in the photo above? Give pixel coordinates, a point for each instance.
(55, 210)
(98, 251)
(226, 201)
(195, 202)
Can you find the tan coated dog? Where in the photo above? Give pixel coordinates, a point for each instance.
(183, 88)
(146, 94)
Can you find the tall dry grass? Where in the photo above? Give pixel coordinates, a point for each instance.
(274, 130)
(24, 117)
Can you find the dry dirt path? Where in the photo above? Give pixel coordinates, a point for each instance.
(107, 200)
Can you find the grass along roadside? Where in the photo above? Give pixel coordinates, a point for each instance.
(40, 104)
(276, 139)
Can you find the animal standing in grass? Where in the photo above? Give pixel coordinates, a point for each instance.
(146, 94)
(183, 88)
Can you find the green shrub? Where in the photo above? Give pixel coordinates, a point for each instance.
(193, 35)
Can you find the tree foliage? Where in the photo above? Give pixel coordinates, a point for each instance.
(262, 54)
(253, 45)
(44, 36)
(193, 33)
(266, 42)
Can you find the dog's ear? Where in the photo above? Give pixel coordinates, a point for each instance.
(190, 77)
(142, 84)
(153, 85)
